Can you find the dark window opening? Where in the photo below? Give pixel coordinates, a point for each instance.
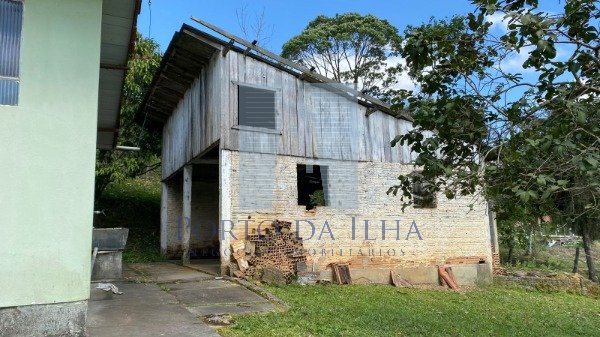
(310, 185)
(423, 193)
(256, 107)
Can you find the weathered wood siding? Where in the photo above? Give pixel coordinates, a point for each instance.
(195, 124)
(312, 124)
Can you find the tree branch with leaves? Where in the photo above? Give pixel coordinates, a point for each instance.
(526, 139)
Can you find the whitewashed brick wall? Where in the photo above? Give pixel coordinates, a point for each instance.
(451, 230)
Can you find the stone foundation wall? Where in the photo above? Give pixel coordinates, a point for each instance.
(424, 236)
(171, 248)
(60, 319)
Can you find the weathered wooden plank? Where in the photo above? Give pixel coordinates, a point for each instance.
(385, 136)
(230, 137)
(255, 72)
(353, 132)
(395, 151)
(224, 109)
(345, 120)
(273, 79)
(300, 136)
(214, 107)
(289, 118)
(375, 135)
(313, 121)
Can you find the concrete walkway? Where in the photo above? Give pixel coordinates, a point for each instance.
(164, 299)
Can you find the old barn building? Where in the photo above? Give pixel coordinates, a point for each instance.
(249, 137)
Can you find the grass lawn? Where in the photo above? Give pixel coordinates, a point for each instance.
(331, 310)
(357, 310)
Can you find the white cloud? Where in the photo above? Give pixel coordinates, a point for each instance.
(404, 81)
(499, 22)
(514, 62)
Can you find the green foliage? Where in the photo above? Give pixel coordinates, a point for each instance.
(115, 166)
(382, 310)
(349, 48)
(531, 147)
(134, 204)
(317, 198)
(548, 259)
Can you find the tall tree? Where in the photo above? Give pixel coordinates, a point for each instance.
(349, 48)
(112, 165)
(527, 138)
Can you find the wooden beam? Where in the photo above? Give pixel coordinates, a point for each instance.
(250, 47)
(370, 110)
(206, 161)
(108, 130)
(113, 66)
(227, 48)
(186, 214)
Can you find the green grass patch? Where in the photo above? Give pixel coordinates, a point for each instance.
(359, 310)
(134, 204)
(551, 259)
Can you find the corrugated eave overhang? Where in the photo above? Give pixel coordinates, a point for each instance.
(119, 22)
(181, 65)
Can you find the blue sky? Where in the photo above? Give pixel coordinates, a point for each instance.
(287, 18)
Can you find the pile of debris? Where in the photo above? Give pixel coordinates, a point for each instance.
(275, 256)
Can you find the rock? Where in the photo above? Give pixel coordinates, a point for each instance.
(220, 320)
(307, 278)
(301, 266)
(273, 275)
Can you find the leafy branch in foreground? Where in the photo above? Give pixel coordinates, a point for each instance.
(526, 139)
(113, 166)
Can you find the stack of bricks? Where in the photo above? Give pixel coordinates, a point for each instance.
(496, 261)
(278, 248)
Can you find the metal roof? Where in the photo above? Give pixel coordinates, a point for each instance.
(180, 66)
(119, 18)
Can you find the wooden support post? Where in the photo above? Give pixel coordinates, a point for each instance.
(225, 218)
(493, 229)
(186, 218)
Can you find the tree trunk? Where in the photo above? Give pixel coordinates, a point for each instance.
(509, 258)
(576, 262)
(530, 247)
(587, 248)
